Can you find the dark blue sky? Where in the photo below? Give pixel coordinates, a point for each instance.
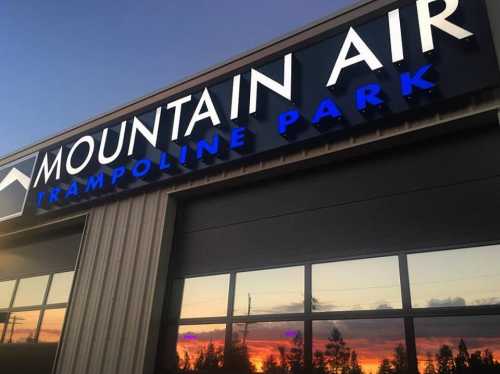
(62, 62)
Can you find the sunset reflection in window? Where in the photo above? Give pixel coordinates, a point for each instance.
(6, 291)
(52, 323)
(274, 291)
(458, 344)
(267, 345)
(60, 288)
(462, 277)
(205, 296)
(354, 345)
(200, 347)
(369, 284)
(22, 327)
(31, 291)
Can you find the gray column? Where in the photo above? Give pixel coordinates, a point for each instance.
(113, 319)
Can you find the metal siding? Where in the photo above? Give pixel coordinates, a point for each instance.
(114, 293)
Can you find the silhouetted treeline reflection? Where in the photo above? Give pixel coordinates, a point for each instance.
(337, 357)
(448, 361)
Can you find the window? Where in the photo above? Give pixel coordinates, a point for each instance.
(205, 296)
(359, 346)
(357, 285)
(458, 344)
(60, 288)
(274, 291)
(269, 345)
(52, 324)
(6, 291)
(200, 346)
(31, 291)
(440, 315)
(463, 277)
(38, 308)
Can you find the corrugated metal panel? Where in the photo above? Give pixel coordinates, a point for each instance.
(111, 308)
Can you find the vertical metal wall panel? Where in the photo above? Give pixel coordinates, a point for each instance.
(109, 317)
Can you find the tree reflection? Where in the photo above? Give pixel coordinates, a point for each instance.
(336, 358)
(445, 361)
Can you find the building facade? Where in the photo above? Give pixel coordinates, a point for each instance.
(327, 203)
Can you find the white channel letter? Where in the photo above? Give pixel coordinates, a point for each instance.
(91, 143)
(102, 158)
(440, 21)
(205, 101)
(235, 97)
(150, 136)
(365, 54)
(177, 104)
(396, 36)
(47, 170)
(284, 90)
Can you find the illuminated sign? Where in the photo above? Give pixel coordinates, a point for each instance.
(351, 79)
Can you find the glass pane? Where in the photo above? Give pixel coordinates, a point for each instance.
(269, 347)
(200, 348)
(272, 291)
(455, 278)
(458, 344)
(4, 317)
(52, 323)
(6, 289)
(60, 288)
(357, 285)
(356, 346)
(22, 327)
(31, 291)
(205, 297)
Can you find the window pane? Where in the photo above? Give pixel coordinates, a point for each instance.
(455, 278)
(357, 285)
(6, 289)
(205, 297)
(52, 323)
(458, 341)
(352, 345)
(4, 317)
(267, 346)
(60, 288)
(22, 327)
(272, 291)
(31, 291)
(200, 346)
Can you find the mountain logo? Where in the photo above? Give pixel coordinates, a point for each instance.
(15, 180)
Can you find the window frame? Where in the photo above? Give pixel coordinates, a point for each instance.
(44, 306)
(407, 313)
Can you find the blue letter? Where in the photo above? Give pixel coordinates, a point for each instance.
(287, 119)
(116, 174)
(183, 157)
(41, 195)
(164, 163)
(237, 138)
(145, 164)
(368, 95)
(408, 81)
(327, 108)
(54, 195)
(72, 190)
(203, 145)
(95, 182)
